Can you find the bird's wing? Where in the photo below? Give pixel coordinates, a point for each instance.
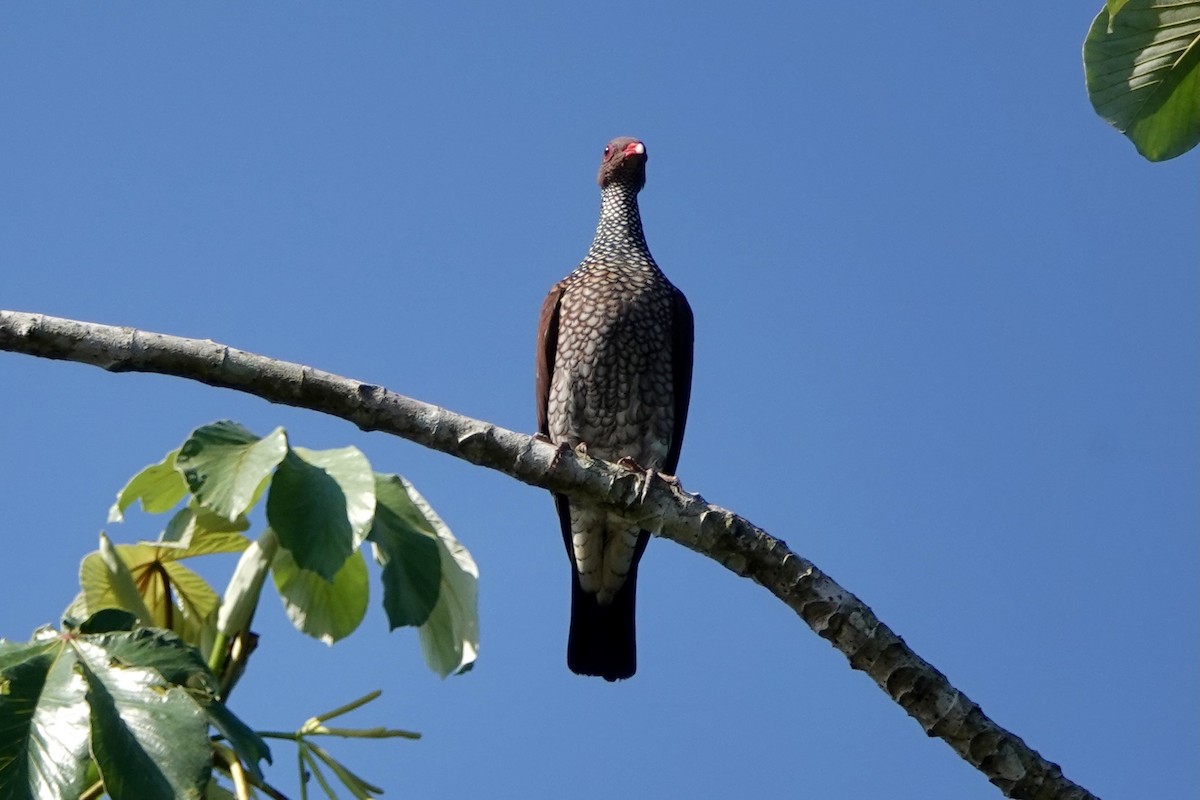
(547, 345)
(682, 328)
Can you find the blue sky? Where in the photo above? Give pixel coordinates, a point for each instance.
(946, 326)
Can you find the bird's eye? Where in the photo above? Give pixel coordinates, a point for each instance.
(607, 149)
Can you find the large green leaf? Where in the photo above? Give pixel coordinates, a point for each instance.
(307, 507)
(43, 724)
(406, 546)
(325, 610)
(149, 738)
(159, 486)
(450, 637)
(183, 666)
(226, 465)
(1143, 73)
(139, 701)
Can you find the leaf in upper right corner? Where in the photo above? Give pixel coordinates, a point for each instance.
(450, 637)
(1142, 65)
(226, 466)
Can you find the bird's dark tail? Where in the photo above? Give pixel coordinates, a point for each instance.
(603, 639)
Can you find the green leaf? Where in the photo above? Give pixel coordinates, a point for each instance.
(249, 746)
(450, 637)
(360, 788)
(182, 665)
(194, 522)
(135, 697)
(245, 586)
(325, 610)
(226, 465)
(43, 724)
(350, 468)
(1113, 6)
(149, 738)
(107, 567)
(1143, 74)
(216, 791)
(307, 508)
(406, 546)
(170, 595)
(164, 652)
(159, 486)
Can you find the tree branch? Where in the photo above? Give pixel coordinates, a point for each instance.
(832, 612)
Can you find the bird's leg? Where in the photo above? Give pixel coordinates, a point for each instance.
(670, 480)
(629, 464)
(559, 448)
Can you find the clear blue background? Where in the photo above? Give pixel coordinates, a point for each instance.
(946, 347)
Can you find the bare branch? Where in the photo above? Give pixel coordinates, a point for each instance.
(834, 613)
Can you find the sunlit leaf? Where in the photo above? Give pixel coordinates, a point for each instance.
(149, 738)
(226, 465)
(245, 586)
(107, 567)
(135, 700)
(194, 522)
(171, 595)
(43, 724)
(325, 610)
(159, 486)
(1143, 74)
(450, 637)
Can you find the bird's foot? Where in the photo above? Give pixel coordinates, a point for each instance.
(629, 464)
(670, 480)
(559, 448)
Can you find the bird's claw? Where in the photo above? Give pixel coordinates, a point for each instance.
(629, 464)
(559, 448)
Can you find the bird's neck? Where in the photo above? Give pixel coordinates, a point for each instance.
(619, 233)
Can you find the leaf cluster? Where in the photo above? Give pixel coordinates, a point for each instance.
(122, 699)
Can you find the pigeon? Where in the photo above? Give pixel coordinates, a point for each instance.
(614, 376)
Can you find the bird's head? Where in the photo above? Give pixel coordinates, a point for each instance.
(624, 162)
